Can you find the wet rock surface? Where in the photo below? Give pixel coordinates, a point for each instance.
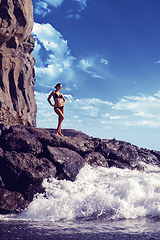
(11, 202)
(29, 154)
(68, 162)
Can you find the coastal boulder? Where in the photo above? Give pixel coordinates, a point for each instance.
(96, 159)
(21, 141)
(11, 202)
(156, 154)
(23, 171)
(68, 162)
(122, 154)
(42, 134)
(79, 144)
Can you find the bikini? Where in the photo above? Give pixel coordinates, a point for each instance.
(57, 96)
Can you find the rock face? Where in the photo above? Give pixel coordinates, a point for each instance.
(17, 102)
(28, 155)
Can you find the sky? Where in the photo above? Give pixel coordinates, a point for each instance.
(106, 54)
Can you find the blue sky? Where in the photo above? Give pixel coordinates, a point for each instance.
(106, 54)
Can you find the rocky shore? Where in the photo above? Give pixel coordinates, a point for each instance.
(29, 154)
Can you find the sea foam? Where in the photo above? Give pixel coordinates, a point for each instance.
(109, 193)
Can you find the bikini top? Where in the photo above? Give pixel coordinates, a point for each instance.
(57, 96)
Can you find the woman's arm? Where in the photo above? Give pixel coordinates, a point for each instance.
(48, 99)
(64, 100)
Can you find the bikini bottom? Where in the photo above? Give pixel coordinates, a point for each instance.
(60, 108)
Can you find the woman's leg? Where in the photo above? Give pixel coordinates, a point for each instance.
(60, 114)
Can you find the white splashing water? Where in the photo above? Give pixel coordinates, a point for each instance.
(110, 193)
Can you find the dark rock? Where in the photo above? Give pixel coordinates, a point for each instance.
(17, 128)
(33, 189)
(22, 141)
(117, 164)
(11, 202)
(71, 133)
(4, 127)
(147, 157)
(1, 183)
(156, 153)
(80, 144)
(73, 140)
(1, 152)
(125, 155)
(21, 170)
(68, 162)
(3, 130)
(43, 135)
(96, 159)
(116, 158)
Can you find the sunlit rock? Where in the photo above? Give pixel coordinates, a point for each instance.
(17, 102)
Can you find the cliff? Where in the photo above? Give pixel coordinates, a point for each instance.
(29, 154)
(17, 102)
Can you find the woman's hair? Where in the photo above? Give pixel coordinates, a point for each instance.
(58, 85)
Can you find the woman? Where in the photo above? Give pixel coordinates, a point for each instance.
(58, 106)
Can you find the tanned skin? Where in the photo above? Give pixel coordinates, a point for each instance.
(58, 103)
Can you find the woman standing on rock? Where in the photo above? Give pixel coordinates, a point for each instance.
(58, 106)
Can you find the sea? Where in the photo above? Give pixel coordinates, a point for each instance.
(102, 203)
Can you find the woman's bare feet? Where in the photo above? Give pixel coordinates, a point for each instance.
(59, 134)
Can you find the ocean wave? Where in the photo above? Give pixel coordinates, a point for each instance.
(108, 193)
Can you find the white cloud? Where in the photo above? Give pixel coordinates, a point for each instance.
(55, 3)
(88, 65)
(82, 3)
(52, 39)
(104, 61)
(52, 54)
(115, 117)
(76, 16)
(54, 60)
(105, 115)
(68, 96)
(93, 108)
(43, 7)
(151, 124)
(157, 94)
(84, 64)
(144, 110)
(51, 70)
(139, 104)
(157, 62)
